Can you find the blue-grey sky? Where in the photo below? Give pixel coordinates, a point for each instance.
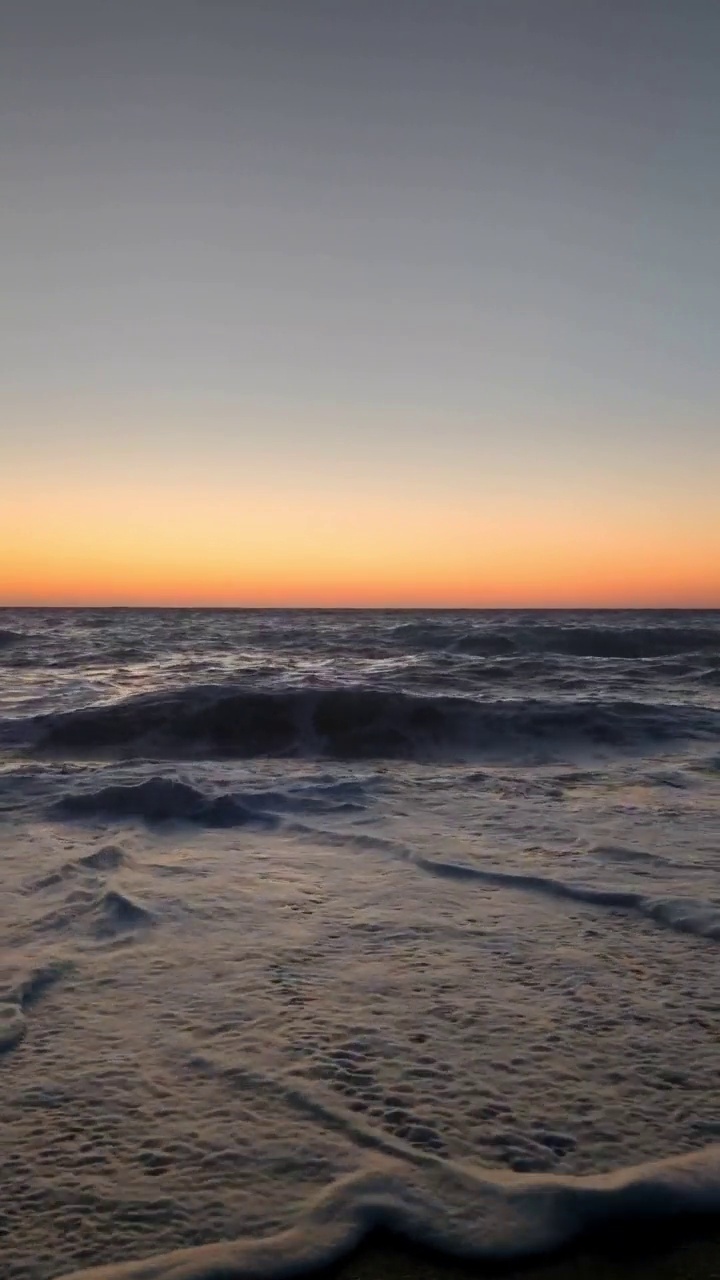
(458, 246)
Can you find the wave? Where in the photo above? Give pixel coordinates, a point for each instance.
(117, 912)
(490, 642)
(8, 638)
(159, 800)
(685, 915)
(571, 640)
(461, 1211)
(627, 642)
(20, 991)
(107, 858)
(95, 622)
(487, 644)
(696, 916)
(223, 721)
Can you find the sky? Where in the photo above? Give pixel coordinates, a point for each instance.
(360, 302)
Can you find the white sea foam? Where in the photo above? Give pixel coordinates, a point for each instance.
(686, 914)
(278, 966)
(461, 1211)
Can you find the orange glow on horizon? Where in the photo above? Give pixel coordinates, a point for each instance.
(101, 591)
(128, 540)
(532, 574)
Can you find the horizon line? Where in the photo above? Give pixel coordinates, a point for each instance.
(366, 608)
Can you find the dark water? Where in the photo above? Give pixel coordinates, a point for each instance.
(357, 684)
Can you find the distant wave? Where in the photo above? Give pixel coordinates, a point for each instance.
(628, 642)
(461, 1211)
(488, 644)
(572, 640)
(8, 638)
(96, 621)
(491, 642)
(221, 721)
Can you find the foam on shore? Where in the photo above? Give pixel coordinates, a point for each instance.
(466, 1213)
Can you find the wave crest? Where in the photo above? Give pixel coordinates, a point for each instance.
(355, 723)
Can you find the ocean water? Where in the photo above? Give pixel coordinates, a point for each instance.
(314, 921)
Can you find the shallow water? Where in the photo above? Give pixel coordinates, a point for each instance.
(313, 920)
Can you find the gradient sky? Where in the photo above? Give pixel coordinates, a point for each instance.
(360, 302)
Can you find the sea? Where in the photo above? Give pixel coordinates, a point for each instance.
(314, 922)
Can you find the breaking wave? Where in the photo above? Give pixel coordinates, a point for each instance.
(355, 723)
